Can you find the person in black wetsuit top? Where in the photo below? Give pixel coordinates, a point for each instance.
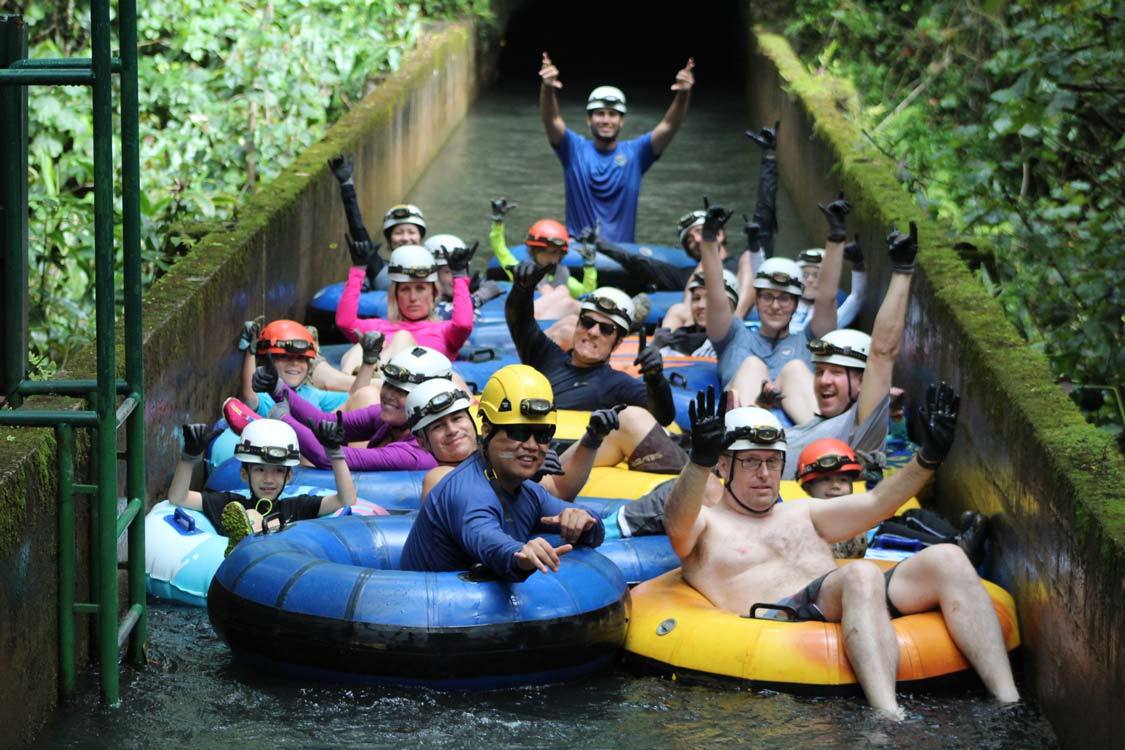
(583, 379)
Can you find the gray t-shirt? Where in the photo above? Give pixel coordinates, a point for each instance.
(868, 436)
(740, 344)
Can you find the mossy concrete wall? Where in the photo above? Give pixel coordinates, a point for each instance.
(286, 243)
(1053, 485)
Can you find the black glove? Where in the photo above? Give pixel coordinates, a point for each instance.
(248, 339)
(371, 342)
(836, 212)
(602, 422)
(903, 249)
(769, 397)
(341, 166)
(265, 378)
(714, 221)
(708, 428)
(765, 137)
(500, 206)
(459, 258)
(753, 231)
(527, 275)
(362, 251)
(939, 423)
(330, 433)
(551, 465)
(196, 439)
(853, 254)
(651, 363)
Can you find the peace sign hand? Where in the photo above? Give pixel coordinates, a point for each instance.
(685, 79)
(549, 74)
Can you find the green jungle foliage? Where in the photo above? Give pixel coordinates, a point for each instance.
(230, 93)
(1007, 119)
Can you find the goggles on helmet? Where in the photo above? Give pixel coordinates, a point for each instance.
(697, 281)
(690, 219)
(808, 256)
(607, 305)
(402, 212)
(780, 278)
(402, 375)
(521, 432)
(416, 272)
(608, 101)
(760, 435)
(831, 462)
(822, 348)
(269, 453)
(555, 242)
(439, 403)
(290, 346)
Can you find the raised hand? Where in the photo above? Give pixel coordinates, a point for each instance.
(538, 554)
(500, 207)
(371, 343)
(459, 258)
(836, 213)
(708, 428)
(903, 249)
(527, 275)
(753, 232)
(602, 422)
(765, 137)
(939, 423)
(589, 235)
(714, 220)
(265, 379)
(330, 433)
(362, 251)
(572, 523)
(248, 338)
(341, 166)
(551, 466)
(685, 79)
(651, 363)
(549, 74)
(587, 245)
(196, 439)
(853, 254)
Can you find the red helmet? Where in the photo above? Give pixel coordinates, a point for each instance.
(547, 233)
(286, 337)
(825, 457)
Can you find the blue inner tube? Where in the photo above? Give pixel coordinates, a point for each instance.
(324, 601)
(373, 304)
(610, 272)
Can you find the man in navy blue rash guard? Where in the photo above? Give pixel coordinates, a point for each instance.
(485, 510)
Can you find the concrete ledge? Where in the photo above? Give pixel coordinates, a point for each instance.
(1053, 484)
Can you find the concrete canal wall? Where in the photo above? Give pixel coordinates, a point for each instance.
(1053, 485)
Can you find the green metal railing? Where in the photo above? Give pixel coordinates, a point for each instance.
(104, 414)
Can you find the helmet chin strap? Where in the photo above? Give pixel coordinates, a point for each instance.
(747, 508)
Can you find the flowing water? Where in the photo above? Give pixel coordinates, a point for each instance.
(193, 694)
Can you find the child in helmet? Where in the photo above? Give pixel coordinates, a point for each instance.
(293, 349)
(268, 452)
(547, 242)
(826, 468)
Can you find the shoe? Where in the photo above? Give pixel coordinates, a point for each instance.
(238, 415)
(234, 525)
(642, 306)
(974, 532)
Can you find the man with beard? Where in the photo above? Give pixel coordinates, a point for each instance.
(603, 175)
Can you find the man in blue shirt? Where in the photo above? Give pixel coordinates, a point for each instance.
(603, 175)
(485, 510)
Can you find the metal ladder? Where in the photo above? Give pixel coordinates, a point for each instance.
(103, 414)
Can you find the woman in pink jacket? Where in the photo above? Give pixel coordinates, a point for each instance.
(411, 305)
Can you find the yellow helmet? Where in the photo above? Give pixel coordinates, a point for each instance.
(518, 394)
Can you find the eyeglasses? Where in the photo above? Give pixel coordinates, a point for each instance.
(752, 464)
(271, 454)
(780, 278)
(760, 435)
(608, 306)
(558, 243)
(521, 432)
(810, 256)
(781, 300)
(291, 346)
(586, 322)
(821, 348)
(414, 272)
(402, 212)
(402, 375)
(831, 462)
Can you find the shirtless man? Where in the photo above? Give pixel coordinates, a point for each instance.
(751, 548)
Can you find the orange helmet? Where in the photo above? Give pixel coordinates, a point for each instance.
(824, 457)
(286, 337)
(547, 233)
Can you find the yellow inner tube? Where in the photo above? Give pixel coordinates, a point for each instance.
(677, 630)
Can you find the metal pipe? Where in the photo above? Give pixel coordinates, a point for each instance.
(51, 418)
(58, 77)
(13, 207)
(64, 462)
(132, 508)
(80, 387)
(128, 622)
(55, 63)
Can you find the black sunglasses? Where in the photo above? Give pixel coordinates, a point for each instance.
(521, 432)
(586, 322)
(821, 348)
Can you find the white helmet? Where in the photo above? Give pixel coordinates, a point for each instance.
(730, 284)
(611, 302)
(412, 263)
(844, 347)
(411, 367)
(781, 274)
(403, 213)
(440, 245)
(606, 97)
(268, 441)
(814, 256)
(754, 429)
(432, 400)
(687, 222)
